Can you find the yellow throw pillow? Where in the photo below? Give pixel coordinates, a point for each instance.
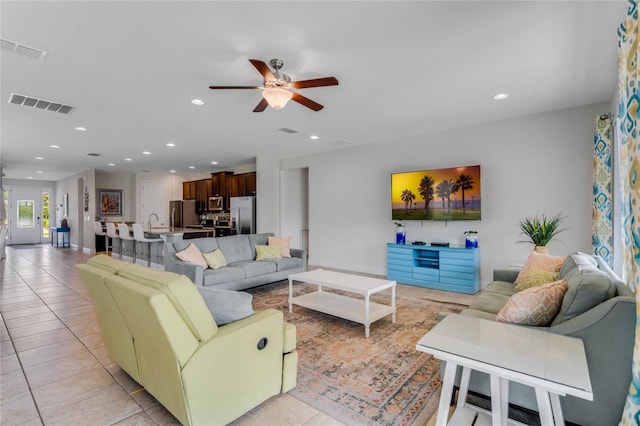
(192, 255)
(540, 261)
(268, 252)
(215, 259)
(535, 277)
(534, 306)
(283, 243)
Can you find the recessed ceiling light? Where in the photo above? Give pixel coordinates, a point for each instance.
(501, 96)
(214, 162)
(171, 145)
(54, 146)
(192, 167)
(39, 171)
(172, 171)
(111, 164)
(39, 158)
(128, 159)
(29, 177)
(146, 152)
(80, 129)
(314, 137)
(197, 102)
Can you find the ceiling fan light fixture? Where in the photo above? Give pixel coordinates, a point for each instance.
(276, 97)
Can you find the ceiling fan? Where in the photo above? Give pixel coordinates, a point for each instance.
(277, 87)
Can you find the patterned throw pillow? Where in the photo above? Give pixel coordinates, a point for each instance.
(539, 261)
(536, 277)
(283, 243)
(534, 306)
(215, 259)
(192, 255)
(268, 252)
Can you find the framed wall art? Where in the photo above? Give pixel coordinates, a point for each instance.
(109, 202)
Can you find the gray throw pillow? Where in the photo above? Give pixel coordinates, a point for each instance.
(574, 262)
(588, 287)
(227, 305)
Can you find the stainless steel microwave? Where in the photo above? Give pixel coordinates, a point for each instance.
(216, 204)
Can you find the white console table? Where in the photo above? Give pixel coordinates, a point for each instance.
(551, 363)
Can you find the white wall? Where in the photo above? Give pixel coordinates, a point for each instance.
(294, 204)
(173, 191)
(82, 233)
(531, 165)
(268, 194)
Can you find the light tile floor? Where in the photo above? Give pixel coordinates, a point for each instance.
(54, 368)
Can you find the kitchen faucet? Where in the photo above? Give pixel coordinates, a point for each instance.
(157, 218)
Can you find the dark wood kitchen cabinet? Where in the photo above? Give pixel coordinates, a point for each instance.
(203, 192)
(246, 184)
(232, 186)
(189, 190)
(219, 183)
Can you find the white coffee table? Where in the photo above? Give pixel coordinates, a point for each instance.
(551, 363)
(350, 308)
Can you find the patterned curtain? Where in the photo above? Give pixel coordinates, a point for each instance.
(627, 127)
(602, 235)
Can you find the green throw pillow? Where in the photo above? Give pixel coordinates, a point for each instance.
(215, 259)
(268, 252)
(536, 277)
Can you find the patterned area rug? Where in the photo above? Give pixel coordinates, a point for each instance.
(382, 380)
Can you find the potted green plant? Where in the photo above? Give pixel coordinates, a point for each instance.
(540, 230)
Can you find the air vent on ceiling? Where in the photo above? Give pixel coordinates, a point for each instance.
(31, 102)
(24, 50)
(93, 154)
(288, 130)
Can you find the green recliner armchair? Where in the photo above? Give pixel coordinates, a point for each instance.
(157, 327)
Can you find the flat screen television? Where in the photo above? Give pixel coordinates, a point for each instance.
(438, 194)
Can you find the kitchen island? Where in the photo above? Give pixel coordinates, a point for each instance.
(210, 231)
(168, 234)
(171, 234)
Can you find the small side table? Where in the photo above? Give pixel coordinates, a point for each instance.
(57, 231)
(553, 364)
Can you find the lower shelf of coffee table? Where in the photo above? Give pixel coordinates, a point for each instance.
(342, 306)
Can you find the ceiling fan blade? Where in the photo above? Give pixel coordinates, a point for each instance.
(306, 102)
(234, 87)
(263, 69)
(261, 106)
(316, 82)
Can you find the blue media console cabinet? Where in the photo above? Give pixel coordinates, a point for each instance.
(443, 268)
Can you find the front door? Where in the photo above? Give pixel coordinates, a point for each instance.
(25, 216)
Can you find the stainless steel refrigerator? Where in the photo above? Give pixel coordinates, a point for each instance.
(183, 213)
(243, 214)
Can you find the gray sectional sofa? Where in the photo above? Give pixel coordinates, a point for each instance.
(242, 270)
(597, 308)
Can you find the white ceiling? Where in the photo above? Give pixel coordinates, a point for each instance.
(405, 69)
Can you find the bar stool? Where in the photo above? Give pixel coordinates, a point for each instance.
(138, 235)
(125, 235)
(99, 232)
(113, 234)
